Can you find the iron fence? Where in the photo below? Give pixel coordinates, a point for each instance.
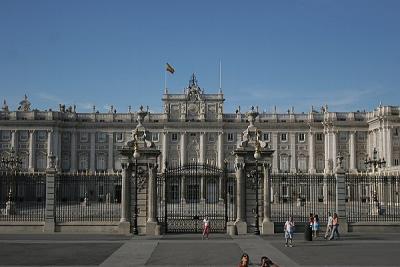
(88, 197)
(22, 196)
(372, 198)
(298, 195)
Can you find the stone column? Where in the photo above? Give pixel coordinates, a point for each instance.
(334, 149)
(152, 195)
(311, 152)
(202, 148)
(389, 148)
(110, 165)
(124, 225)
(267, 225)
(382, 142)
(293, 168)
(275, 155)
(32, 150)
(73, 152)
(49, 146)
(183, 148)
(326, 151)
(49, 224)
(341, 198)
(240, 223)
(220, 163)
(164, 150)
(92, 152)
(352, 150)
(14, 143)
(152, 227)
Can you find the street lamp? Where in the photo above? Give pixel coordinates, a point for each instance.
(11, 163)
(136, 155)
(375, 163)
(254, 181)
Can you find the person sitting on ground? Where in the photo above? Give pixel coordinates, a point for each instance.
(267, 262)
(244, 260)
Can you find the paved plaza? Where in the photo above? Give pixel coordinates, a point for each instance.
(189, 250)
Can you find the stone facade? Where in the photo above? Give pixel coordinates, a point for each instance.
(194, 127)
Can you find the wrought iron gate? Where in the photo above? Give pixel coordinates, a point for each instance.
(188, 193)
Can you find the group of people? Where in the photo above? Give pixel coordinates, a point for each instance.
(332, 228)
(265, 261)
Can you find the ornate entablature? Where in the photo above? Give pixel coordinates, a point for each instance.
(193, 104)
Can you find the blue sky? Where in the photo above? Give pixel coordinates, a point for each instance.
(299, 53)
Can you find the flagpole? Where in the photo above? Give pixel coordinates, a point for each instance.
(220, 77)
(165, 81)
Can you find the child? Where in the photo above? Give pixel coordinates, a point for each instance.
(289, 229)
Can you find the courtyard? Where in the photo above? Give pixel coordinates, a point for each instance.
(189, 250)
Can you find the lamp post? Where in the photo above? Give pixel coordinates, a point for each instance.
(136, 156)
(375, 163)
(257, 156)
(11, 163)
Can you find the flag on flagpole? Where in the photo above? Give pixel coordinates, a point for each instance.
(170, 69)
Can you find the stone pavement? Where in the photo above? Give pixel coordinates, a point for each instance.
(190, 250)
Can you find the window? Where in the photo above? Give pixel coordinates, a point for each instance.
(284, 137)
(84, 137)
(302, 137)
(361, 136)
(119, 137)
(41, 162)
(343, 136)
(174, 137)
(65, 162)
(41, 136)
(396, 132)
(284, 162)
(23, 136)
(101, 137)
(65, 137)
(83, 162)
(302, 164)
(101, 162)
(211, 137)
(265, 137)
(320, 136)
(396, 162)
(230, 137)
(155, 137)
(5, 135)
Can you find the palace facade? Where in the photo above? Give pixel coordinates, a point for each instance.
(194, 128)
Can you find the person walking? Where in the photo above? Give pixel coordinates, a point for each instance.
(315, 226)
(206, 227)
(328, 226)
(335, 227)
(289, 230)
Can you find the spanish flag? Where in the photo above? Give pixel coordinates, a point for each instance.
(170, 69)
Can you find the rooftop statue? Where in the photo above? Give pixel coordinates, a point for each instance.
(24, 105)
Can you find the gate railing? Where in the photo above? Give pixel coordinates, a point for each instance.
(22, 196)
(188, 193)
(372, 198)
(298, 195)
(88, 197)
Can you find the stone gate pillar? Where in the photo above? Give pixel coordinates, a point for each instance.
(240, 223)
(152, 227)
(267, 224)
(124, 224)
(341, 195)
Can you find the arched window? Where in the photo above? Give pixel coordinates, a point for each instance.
(83, 162)
(101, 162)
(302, 164)
(320, 163)
(284, 163)
(41, 161)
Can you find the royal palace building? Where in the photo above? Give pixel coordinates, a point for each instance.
(194, 128)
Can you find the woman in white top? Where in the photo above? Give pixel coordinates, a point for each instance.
(289, 230)
(206, 227)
